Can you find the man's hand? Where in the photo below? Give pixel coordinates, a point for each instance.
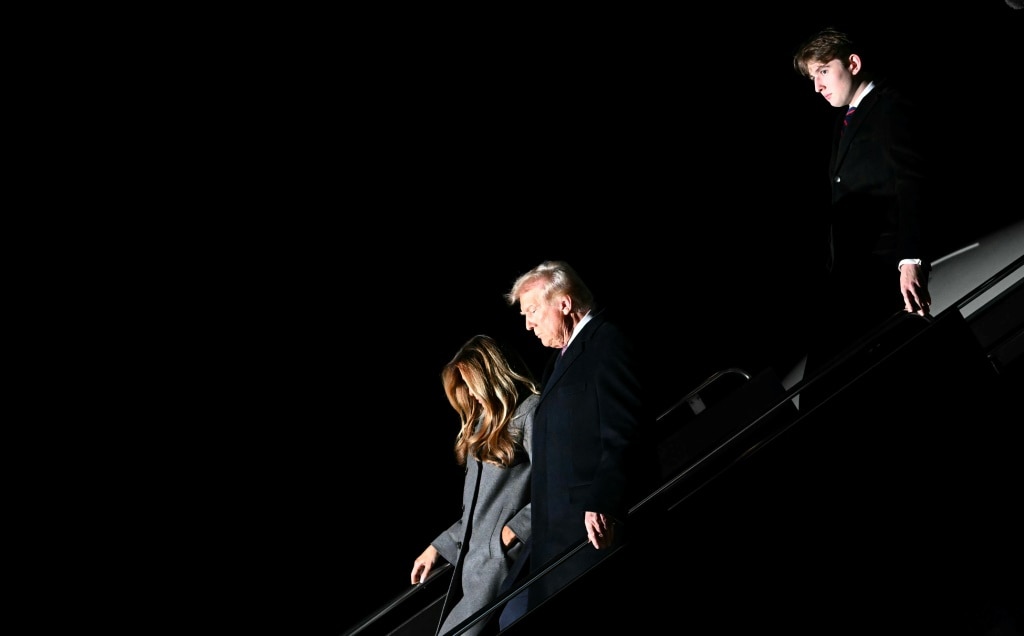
(914, 287)
(600, 529)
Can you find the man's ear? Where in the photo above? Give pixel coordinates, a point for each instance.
(566, 305)
(854, 64)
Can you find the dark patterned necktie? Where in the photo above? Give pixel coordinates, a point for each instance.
(846, 120)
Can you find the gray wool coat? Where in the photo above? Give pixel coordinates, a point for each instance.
(492, 497)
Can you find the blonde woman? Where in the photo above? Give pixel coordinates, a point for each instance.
(495, 396)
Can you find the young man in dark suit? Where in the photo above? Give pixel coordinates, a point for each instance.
(877, 259)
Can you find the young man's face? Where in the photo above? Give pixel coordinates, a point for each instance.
(834, 80)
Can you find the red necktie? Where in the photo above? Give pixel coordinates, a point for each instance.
(846, 120)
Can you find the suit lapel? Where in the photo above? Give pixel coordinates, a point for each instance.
(846, 138)
(578, 347)
(563, 362)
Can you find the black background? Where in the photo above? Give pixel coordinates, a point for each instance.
(408, 166)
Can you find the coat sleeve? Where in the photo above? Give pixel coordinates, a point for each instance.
(521, 521)
(620, 417)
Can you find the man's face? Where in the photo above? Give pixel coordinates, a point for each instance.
(834, 81)
(546, 319)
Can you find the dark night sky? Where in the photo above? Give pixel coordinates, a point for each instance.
(675, 161)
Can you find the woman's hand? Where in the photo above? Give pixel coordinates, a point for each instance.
(423, 564)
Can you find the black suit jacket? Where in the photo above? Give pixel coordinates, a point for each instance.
(590, 448)
(880, 199)
(879, 184)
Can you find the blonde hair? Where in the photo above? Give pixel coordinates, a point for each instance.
(482, 369)
(558, 278)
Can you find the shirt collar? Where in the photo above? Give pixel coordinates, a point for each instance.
(867, 89)
(578, 327)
